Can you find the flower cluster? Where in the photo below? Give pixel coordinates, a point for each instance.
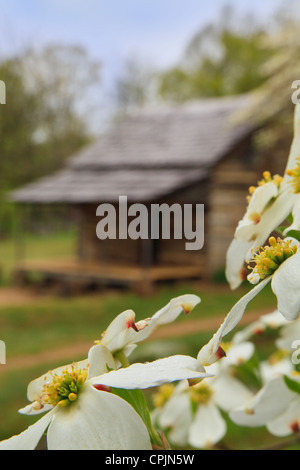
(270, 396)
(276, 404)
(269, 206)
(192, 415)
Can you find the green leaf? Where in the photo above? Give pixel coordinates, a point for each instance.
(294, 234)
(292, 384)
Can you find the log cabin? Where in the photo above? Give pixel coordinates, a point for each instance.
(191, 153)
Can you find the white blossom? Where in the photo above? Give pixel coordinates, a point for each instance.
(82, 413)
(123, 333)
(192, 414)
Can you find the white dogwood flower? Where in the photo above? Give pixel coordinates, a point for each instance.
(269, 205)
(82, 413)
(285, 283)
(280, 262)
(123, 333)
(191, 415)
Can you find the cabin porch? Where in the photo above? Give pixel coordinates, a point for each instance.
(73, 276)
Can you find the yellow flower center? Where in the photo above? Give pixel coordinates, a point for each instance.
(269, 258)
(295, 176)
(163, 394)
(63, 389)
(201, 394)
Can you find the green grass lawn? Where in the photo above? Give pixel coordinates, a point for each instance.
(34, 247)
(53, 322)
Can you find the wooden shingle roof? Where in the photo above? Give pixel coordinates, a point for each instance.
(148, 154)
(106, 186)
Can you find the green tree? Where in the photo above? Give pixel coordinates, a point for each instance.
(46, 116)
(219, 60)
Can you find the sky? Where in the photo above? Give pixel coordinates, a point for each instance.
(154, 31)
(112, 30)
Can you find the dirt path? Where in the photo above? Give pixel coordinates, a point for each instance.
(10, 296)
(71, 352)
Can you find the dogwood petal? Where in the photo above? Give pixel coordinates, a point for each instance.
(173, 309)
(239, 353)
(296, 216)
(123, 330)
(258, 202)
(261, 198)
(209, 353)
(169, 313)
(289, 333)
(286, 287)
(272, 217)
(273, 319)
(246, 241)
(229, 392)
(99, 358)
(295, 148)
(153, 374)
(99, 420)
(120, 331)
(235, 270)
(176, 416)
(207, 428)
(35, 408)
(236, 313)
(288, 421)
(269, 403)
(269, 370)
(28, 439)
